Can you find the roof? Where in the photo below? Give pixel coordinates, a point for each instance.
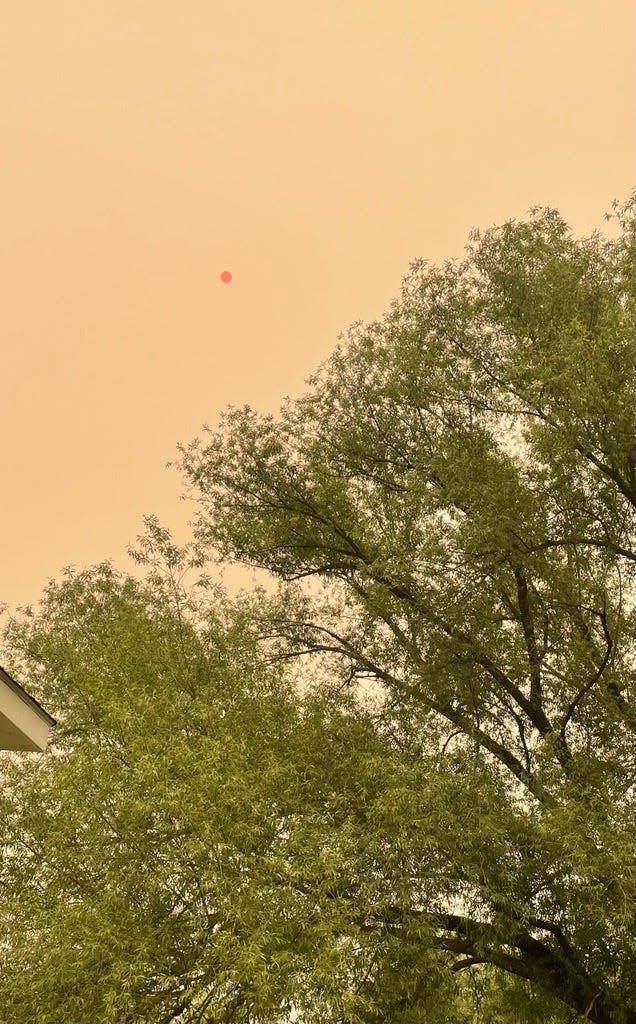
(24, 724)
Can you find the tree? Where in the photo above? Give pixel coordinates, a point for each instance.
(461, 478)
(175, 857)
(400, 787)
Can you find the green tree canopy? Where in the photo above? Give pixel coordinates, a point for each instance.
(178, 853)
(401, 787)
(461, 478)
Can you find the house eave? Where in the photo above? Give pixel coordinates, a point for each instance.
(24, 724)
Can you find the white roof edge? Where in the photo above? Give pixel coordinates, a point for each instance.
(25, 696)
(24, 724)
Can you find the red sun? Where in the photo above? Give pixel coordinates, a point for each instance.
(226, 277)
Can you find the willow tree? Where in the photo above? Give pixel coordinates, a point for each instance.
(174, 856)
(460, 480)
(397, 787)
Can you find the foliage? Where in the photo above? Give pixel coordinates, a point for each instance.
(461, 480)
(400, 788)
(174, 856)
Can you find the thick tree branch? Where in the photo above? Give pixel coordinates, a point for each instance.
(529, 635)
(517, 953)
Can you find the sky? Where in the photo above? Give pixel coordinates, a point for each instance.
(313, 149)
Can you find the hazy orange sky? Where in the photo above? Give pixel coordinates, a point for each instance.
(312, 148)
